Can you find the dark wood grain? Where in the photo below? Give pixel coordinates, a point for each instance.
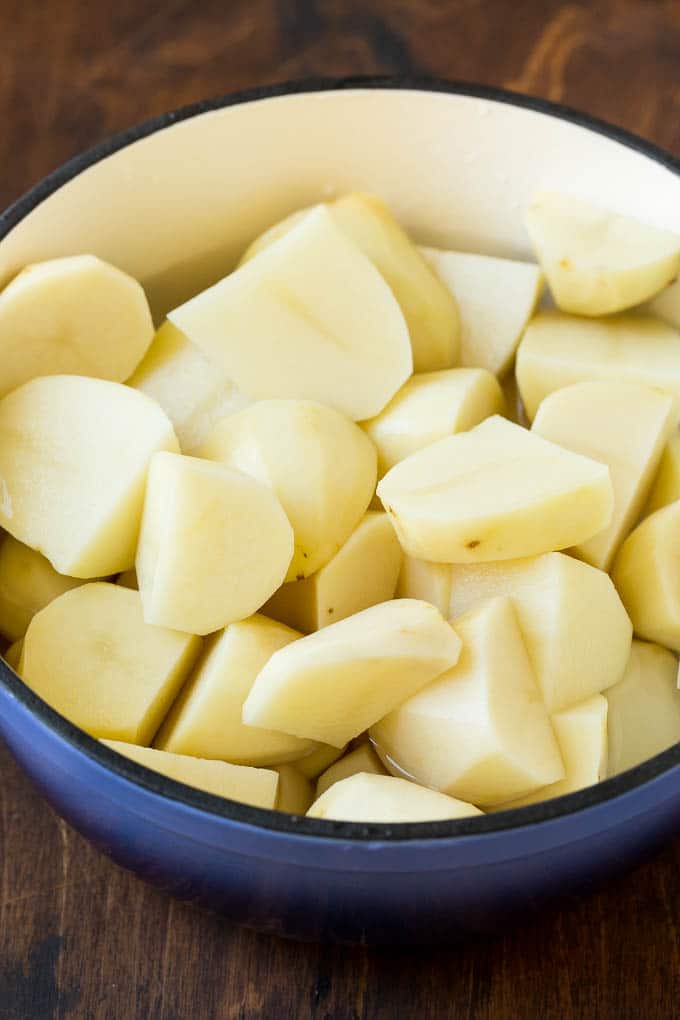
(80, 938)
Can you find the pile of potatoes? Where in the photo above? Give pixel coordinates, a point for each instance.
(364, 530)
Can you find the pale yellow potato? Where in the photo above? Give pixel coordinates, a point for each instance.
(312, 765)
(128, 579)
(296, 793)
(496, 298)
(90, 655)
(274, 233)
(581, 733)
(598, 261)
(644, 708)
(622, 425)
(235, 782)
(496, 492)
(666, 487)
(310, 318)
(369, 798)
(213, 546)
(666, 304)
(28, 582)
(12, 655)
(74, 455)
(646, 573)
(481, 731)
(575, 628)
(557, 350)
(362, 573)
(74, 315)
(205, 720)
(429, 407)
(320, 465)
(335, 683)
(361, 759)
(431, 582)
(193, 391)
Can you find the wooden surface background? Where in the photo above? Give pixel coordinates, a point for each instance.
(80, 938)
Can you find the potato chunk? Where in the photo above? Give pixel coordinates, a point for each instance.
(28, 582)
(622, 425)
(557, 350)
(598, 261)
(497, 492)
(644, 707)
(205, 720)
(296, 447)
(312, 765)
(575, 628)
(295, 793)
(496, 298)
(74, 315)
(361, 759)
(429, 407)
(431, 582)
(90, 655)
(235, 782)
(214, 545)
(334, 684)
(646, 573)
(74, 455)
(361, 574)
(194, 393)
(481, 731)
(369, 798)
(666, 487)
(310, 317)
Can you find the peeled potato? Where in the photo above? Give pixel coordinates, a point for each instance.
(429, 407)
(575, 628)
(295, 793)
(480, 731)
(644, 707)
(74, 455)
(312, 765)
(74, 315)
(496, 298)
(214, 545)
(496, 492)
(622, 425)
(666, 487)
(235, 782)
(310, 318)
(597, 261)
(319, 464)
(205, 720)
(192, 391)
(334, 684)
(431, 582)
(370, 798)
(557, 350)
(90, 655)
(28, 582)
(361, 759)
(361, 574)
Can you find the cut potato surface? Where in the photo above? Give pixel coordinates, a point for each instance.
(28, 582)
(235, 782)
(205, 720)
(282, 324)
(581, 733)
(214, 545)
(73, 315)
(646, 573)
(598, 261)
(74, 455)
(334, 684)
(295, 793)
(622, 425)
(666, 488)
(320, 465)
(193, 391)
(644, 707)
(90, 655)
(370, 798)
(312, 765)
(496, 298)
(481, 731)
(429, 407)
(557, 350)
(363, 573)
(361, 759)
(496, 492)
(431, 582)
(575, 628)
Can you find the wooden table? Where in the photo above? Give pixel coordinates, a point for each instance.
(78, 936)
